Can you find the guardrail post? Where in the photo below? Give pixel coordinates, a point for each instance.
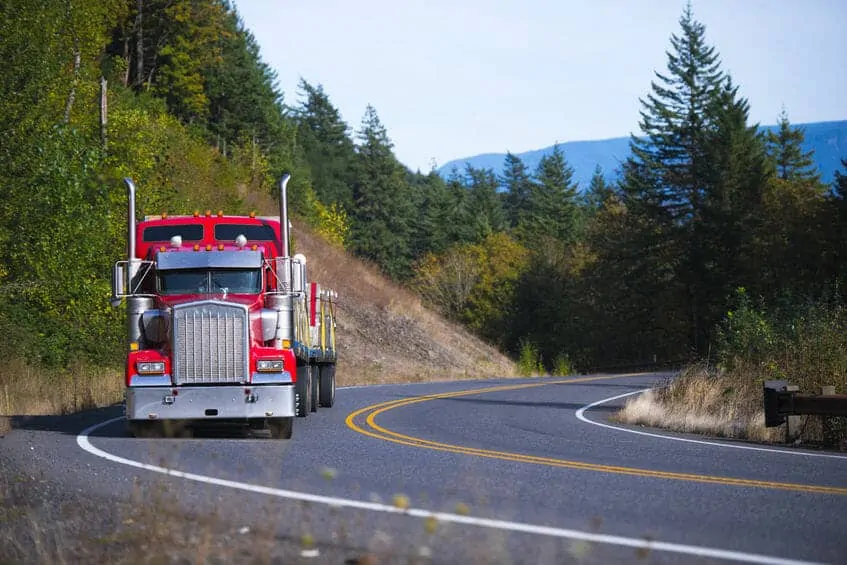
(827, 429)
(792, 422)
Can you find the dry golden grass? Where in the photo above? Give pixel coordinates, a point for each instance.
(701, 401)
(28, 391)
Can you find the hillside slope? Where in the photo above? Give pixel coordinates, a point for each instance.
(384, 333)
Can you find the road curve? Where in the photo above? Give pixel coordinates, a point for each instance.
(501, 471)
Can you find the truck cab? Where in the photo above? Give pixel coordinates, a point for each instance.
(223, 325)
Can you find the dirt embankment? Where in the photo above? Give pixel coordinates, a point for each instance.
(384, 333)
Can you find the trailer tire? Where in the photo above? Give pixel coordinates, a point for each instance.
(327, 378)
(281, 428)
(316, 388)
(303, 391)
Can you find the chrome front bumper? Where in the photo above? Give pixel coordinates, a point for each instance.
(209, 402)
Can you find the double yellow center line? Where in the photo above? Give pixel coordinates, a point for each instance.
(363, 421)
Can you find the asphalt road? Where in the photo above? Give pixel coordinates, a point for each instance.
(500, 471)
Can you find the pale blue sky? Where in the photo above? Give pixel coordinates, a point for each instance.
(453, 78)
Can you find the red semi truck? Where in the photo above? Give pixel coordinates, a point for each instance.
(223, 324)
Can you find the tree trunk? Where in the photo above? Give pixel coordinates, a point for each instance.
(72, 94)
(104, 111)
(139, 46)
(125, 79)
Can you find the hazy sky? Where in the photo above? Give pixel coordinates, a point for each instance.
(455, 78)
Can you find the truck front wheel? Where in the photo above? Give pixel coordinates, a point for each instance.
(303, 391)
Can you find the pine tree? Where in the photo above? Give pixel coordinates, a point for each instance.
(460, 228)
(666, 182)
(431, 233)
(381, 218)
(837, 230)
(598, 190)
(327, 146)
(552, 209)
(518, 184)
(785, 147)
(244, 105)
(485, 201)
(732, 208)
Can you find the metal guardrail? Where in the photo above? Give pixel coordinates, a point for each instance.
(783, 403)
(782, 400)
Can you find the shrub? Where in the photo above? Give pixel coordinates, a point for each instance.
(529, 362)
(563, 365)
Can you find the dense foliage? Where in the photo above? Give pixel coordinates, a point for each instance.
(643, 270)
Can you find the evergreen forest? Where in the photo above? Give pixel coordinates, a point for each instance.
(711, 224)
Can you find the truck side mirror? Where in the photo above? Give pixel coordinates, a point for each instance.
(118, 284)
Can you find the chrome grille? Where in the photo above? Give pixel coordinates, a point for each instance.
(210, 343)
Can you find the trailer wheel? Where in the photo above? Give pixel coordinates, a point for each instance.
(327, 378)
(316, 387)
(303, 391)
(281, 428)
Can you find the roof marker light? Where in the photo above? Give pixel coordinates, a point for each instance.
(208, 213)
(164, 215)
(220, 213)
(252, 213)
(196, 213)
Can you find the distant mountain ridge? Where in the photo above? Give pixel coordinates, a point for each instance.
(827, 139)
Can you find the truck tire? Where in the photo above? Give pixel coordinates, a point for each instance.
(316, 388)
(303, 391)
(281, 428)
(327, 378)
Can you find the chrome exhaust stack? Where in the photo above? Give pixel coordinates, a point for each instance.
(130, 214)
(283, 214)
(136, 305)
(281, 301)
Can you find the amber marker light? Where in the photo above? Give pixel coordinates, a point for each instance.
(220, 213)
(255, 247)
(164, 215)
(196, 247)
(253, 214)
(220, 247)
(196, 213)
(208, 213)
(208, 247)
(162, 248)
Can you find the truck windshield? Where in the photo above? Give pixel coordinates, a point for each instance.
(210, 281)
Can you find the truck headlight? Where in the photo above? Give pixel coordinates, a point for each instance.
(150, 368)
(269, 365)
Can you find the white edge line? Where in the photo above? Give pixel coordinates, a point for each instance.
(83, 441)
(580, 414)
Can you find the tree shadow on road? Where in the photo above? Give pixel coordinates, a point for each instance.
(74, 424)
(534, 404)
